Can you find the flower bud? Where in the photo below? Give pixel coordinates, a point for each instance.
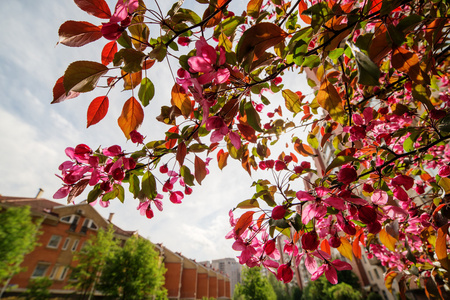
(367, 214)
(278, 212)
(310, 241)
(347, 174)
(334, 241)
(269, 247)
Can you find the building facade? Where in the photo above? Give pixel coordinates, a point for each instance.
(65, 229)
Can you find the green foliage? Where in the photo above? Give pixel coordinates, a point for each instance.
(321, 289)
(254, 286)
(38, 289)
(18, 236)
(374, 296)
(134, 272)
(279, 288)
(91, 261)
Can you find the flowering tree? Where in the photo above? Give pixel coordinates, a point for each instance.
(379, 70)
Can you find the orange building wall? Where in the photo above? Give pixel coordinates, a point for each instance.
(173, 276)
(228, 289)
(202, 285)
(189, 284)
(213, 292)
(220, 288)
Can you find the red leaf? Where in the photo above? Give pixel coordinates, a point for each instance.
(303, 149)
(200, 169)
(171, 142)
(147, 64)
(108, 52)
(222, 158)
(244, 221)
(441, 246)
(247, 132)
(78, 33)
(325, 247)
(59, 93)
(181, 153)
(97, 110)
(131, 117)
(97, 8)
(301, 8)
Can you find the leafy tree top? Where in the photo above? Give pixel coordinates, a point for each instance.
(379, 70)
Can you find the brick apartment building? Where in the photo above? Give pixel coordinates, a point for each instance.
(65, 229)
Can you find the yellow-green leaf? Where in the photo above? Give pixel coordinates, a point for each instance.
(389, 279)
(292, 101)
(181, 100)
(346, 249)
(388, 240)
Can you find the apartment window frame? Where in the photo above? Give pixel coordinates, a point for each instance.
(42, 267)
(55, 238)
(66, 243)
(75, 245)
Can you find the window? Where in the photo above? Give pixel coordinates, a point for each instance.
(54, 241)
(88, 224)
(59, 272)
(75, 245)
(370, 275)
(376, 273)
(41, 269)
(74, 223)
(66, 244)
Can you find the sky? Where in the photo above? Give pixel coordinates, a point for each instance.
(34, 133)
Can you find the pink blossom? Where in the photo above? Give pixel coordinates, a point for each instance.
(176, 197)
(444, 171)
(330, 270)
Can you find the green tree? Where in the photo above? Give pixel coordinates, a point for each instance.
(91, 261)
(18, 236)
(321, 289)
(279, 288)
(254, 286)
(134, 272)
(38, 289)
(343, 291)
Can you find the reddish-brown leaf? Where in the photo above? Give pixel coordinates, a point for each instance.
(355, 246)
(389, 280)
(247, 132)
(147, 64)
(253, 7)
(229, 110)
(181, 100)
(217, 17)
(97, 8)
(244, 221)
(301, 8)
(78, 33)
(200, 169)
(59, 93)
(97, 110)
(258, 39)
(222, 157)
(441, 246)
(261, 220)
(329, 99)
(181, 153)
(407, 62)
(108, 52)
(347, 152)
(131, 117)
(82, 76)
(131, 80)
(303, 149)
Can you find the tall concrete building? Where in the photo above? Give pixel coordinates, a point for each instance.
(231, 267)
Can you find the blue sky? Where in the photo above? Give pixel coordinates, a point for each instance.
(34, 133)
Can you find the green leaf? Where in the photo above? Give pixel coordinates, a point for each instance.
(253, 118)
(120, 194)
(159, 52)
(82, 76)
(185, 15)
(252, 203)
(146, 91)
(368, 71)
(319, 13)
(125, 41)
(94, 194)
(228, 26)
(131, 59)
(313, 141)
(292, 101)
(134, 185)
(149, 185)
(422, 94)
(187, 176)
(340, 161)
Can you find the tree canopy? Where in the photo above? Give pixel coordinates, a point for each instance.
(18, 237)
(135, 271)
(379, 111)
(254, 286)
